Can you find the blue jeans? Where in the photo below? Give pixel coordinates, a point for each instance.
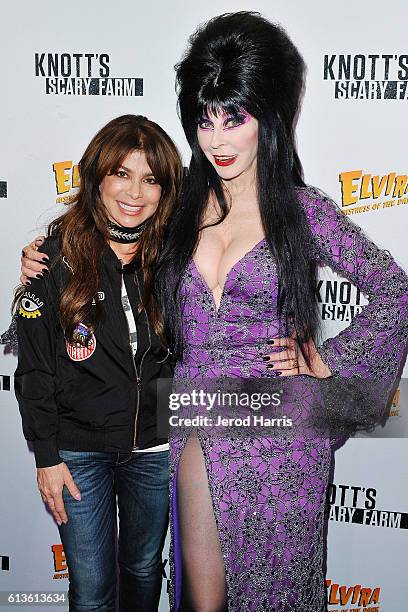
(92, 549)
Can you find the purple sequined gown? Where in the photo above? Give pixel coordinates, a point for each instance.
(268, 494)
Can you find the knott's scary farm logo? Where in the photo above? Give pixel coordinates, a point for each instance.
(339, 300)
(4, 563)
(357, 598)
(60, 564)
(367, 77)
(66, 176)
(3, 189)
(363, 192)
(351, 504)
(83, 74)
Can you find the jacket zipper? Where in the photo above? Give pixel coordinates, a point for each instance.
(131, 352)
(139, 374)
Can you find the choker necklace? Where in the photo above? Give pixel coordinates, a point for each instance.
(124, 235)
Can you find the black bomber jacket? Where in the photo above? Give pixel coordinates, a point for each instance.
(92, 398)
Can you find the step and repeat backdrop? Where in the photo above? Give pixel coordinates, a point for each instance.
(68, 68)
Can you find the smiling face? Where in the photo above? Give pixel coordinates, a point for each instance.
(230, 142)
(131, 194)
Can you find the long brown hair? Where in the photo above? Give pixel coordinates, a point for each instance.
(83, 229)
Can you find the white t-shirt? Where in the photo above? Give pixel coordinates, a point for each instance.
(133, 343)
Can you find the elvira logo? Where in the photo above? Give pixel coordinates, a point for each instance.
(60, 563)
(3, 189)
(363, 192)
(342, 595)
(83, 74)
(367, 77)
(66, 175)
(355, 504)
(396, 404)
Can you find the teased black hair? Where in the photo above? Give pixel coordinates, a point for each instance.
(242, 61)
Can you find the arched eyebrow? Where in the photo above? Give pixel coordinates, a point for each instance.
(129, 171)
(238, 114)
(205, 118)
(227, 115)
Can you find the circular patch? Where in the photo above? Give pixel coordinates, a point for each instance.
(80, 353)
(76, 351)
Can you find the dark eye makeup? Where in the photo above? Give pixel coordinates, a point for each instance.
(230, 121)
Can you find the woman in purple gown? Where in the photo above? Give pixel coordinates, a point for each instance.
(239, 270)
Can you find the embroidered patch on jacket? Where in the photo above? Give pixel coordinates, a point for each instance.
(30, 306)
(84, 344)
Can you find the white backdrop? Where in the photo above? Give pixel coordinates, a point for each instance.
(353, 124)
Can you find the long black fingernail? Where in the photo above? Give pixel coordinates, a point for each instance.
(270, 342)
(270, 366)
(28, 282)
(278, 373)
(265, 358)
(39, 275)
(45, 271)
(44, 260)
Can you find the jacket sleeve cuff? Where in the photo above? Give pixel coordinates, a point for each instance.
(46, 452)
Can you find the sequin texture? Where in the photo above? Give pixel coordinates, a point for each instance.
(269, 493)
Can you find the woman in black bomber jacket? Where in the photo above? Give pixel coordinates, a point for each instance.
(90, 355)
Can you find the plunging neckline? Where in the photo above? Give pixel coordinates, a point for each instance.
(206, 285)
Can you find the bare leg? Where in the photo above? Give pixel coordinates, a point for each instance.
(204, 586)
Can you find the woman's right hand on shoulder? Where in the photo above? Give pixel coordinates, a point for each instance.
(51, 481)
(33, 263)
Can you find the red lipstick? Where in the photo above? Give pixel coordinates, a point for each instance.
(224, 161)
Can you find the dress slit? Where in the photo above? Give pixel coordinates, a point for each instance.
(200, 516)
